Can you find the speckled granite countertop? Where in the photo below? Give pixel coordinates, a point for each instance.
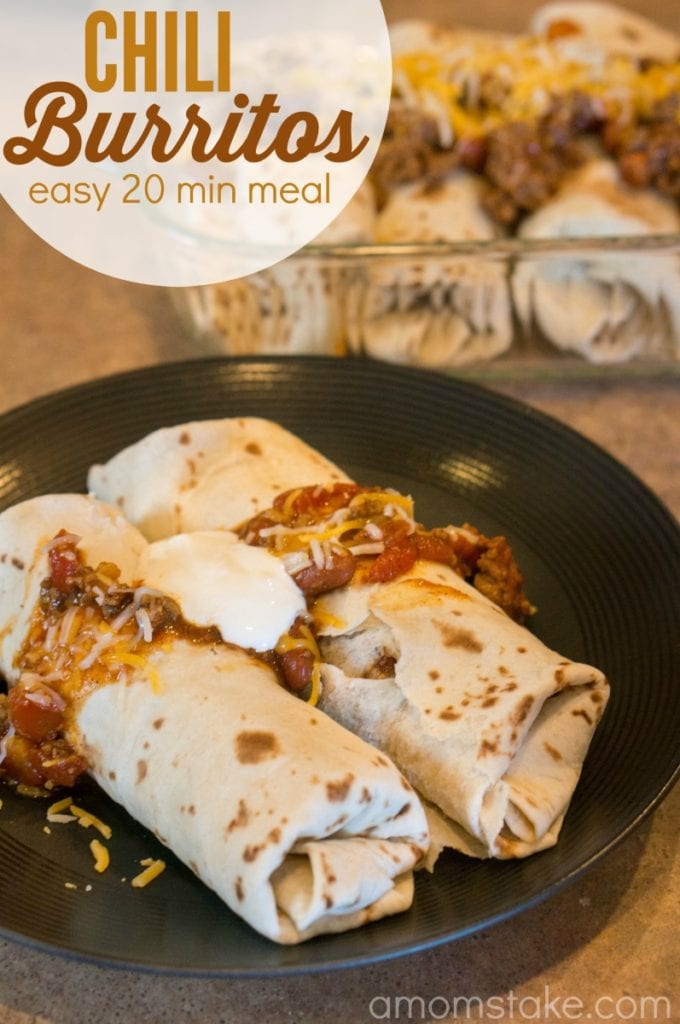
(611, 936)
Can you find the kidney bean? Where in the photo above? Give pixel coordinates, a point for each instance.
(337, 570)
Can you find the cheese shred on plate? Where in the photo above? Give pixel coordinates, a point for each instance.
(86, 820)
(101, 856)
(152, 870)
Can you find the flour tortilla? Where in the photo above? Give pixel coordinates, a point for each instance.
(608, 307)
(610, 28)
(488, 724)
(298, 825)
(295, 307)
(441, 312)
(207, 476)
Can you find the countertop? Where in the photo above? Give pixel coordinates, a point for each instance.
(611, 936)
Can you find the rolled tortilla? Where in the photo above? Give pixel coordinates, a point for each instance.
(294, 308)
(208, 475)
(439, 312)
(299, 826)
(488, 724)
(604, 305)
(606, 27)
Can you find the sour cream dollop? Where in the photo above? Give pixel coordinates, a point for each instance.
(217, 580)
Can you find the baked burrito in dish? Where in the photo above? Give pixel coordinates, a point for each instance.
(299, 826)
(606, 306)
(422, 654)
(598, 26)
(432, 312)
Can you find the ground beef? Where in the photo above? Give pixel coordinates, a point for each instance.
(410, 151)
(649, 156)
(497, 576)
(525, 164)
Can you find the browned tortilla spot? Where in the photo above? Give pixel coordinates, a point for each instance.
(447, 715)
(522, 710)
(559, 677)
(487, 748)
(241, 819)
(191, 809)
(510, 687)
(465, 702)
(175, 762)
(328, 900)
(185, 437)
(158, 723)
(338, 823)
(596, 698)
(402, 810)
(455, 637)
(582, 713)
(327, 871)
(491, 689)
(433, 674)
(253, 747)
(406, 785)
(146, 745)
(275, 835)
(313, 721)
(503, 671)
(253, 448)
(555, 754)
(381, 761)
(251, 853)
(112, 776)
(141, 771)
(439, 689)
(521, 650)
(238, 889)
(428, 711)
(489, 702)
(337, 791)
(18, 564)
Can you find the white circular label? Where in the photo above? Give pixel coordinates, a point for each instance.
(182, 145)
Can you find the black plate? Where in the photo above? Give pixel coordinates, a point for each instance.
(602, 560)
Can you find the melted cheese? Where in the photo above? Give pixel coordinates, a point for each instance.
(219, 581)
(526, 73)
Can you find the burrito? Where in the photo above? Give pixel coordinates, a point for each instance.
(298, 825)
(294, 307)
(423, 654)
(433, 312)
(208, 475)
(605, 27)
(420, 648)
(606, 306)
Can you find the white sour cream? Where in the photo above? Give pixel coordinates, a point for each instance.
(217, 580)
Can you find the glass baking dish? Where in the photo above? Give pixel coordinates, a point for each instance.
(503, 308)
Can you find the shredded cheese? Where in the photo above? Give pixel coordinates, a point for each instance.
(101, 856)
(88, 820)
(153, 869)
(479, 86)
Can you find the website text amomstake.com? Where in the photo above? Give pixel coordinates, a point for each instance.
(511, 1007)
